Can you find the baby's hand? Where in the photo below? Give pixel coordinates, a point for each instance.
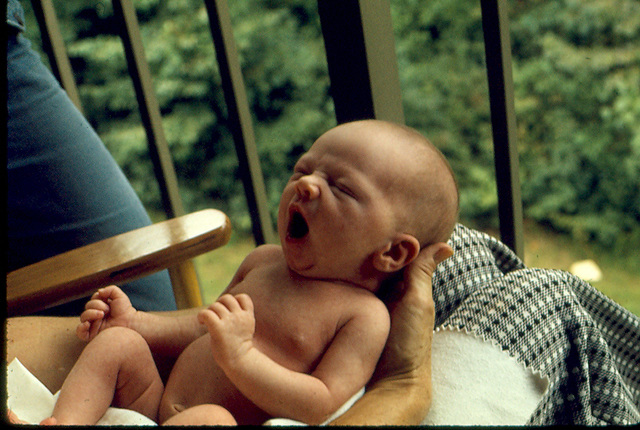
(108, 307)
(231, 324)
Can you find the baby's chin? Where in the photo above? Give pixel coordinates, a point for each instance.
(298, 253)
(302, 268)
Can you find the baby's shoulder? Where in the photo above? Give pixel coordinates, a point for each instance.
(364, 312)
(268, 250)
(358, 301)
(261, 255)
(256, 258)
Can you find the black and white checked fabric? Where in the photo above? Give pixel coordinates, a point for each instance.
(552, 322)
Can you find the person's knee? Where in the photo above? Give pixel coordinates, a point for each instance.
(122, 333)
(202, 415)
(122, 341)
(138, 386)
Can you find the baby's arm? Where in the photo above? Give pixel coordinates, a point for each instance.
(346, 366)
(166, 334)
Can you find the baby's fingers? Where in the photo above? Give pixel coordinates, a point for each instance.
(82, 331)
(97, 304)
(86, 331)
(112, 292)
(245, 302)
(208, 317)
(90, 324)
(92, 315)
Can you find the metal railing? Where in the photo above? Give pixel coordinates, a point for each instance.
(363, 72)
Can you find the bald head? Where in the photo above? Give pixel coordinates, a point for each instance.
(420, 180)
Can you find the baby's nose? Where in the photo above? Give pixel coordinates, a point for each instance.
(307, 188)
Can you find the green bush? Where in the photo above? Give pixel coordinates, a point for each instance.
(577, 98)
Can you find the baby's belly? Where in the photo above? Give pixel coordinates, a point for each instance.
(196, 379)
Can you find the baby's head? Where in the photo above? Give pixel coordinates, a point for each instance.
(363, 201)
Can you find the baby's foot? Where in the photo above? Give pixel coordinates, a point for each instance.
(51, 421)
(13, 418)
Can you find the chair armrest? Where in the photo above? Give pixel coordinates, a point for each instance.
(115, 260)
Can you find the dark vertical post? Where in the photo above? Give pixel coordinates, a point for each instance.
(53, 45)
(239, 119)
(361, 57)
(184, 278)
(149, 108)
(495, 24)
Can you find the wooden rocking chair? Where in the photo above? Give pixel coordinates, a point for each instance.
(79, 272)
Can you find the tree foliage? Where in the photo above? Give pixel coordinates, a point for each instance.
(577, 80)
(577, 96)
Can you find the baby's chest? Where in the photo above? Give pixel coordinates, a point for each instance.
(291, 342)
(294, 325)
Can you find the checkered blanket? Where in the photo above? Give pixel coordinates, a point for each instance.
(551, 321)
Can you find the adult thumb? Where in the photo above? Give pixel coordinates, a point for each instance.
(423, 267)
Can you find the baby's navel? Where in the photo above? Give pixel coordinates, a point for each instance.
(177, 407)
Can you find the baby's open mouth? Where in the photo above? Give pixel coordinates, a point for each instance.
(298, 227)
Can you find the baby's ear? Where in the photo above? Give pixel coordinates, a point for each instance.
(397, 254)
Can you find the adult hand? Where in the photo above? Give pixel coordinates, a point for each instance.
(407, 353)
(399, 392)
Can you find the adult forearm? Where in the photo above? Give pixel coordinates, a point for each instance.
(390, 403)
(47, 346)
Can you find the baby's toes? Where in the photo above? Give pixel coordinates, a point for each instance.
(51, 421)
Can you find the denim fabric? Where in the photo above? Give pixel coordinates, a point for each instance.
(64, 188)
(15, 15)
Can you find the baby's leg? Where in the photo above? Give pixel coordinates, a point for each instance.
(202, 415)
(116, 368)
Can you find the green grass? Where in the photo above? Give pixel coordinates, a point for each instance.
(216, 268)
(620, 274)
(620, 281)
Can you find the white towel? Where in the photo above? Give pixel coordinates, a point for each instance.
(476, 383)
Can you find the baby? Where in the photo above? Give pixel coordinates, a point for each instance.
(299, 329)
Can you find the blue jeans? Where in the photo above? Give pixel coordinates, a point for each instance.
(64, 188)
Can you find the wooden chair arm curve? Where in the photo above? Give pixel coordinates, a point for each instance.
(77, 273)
